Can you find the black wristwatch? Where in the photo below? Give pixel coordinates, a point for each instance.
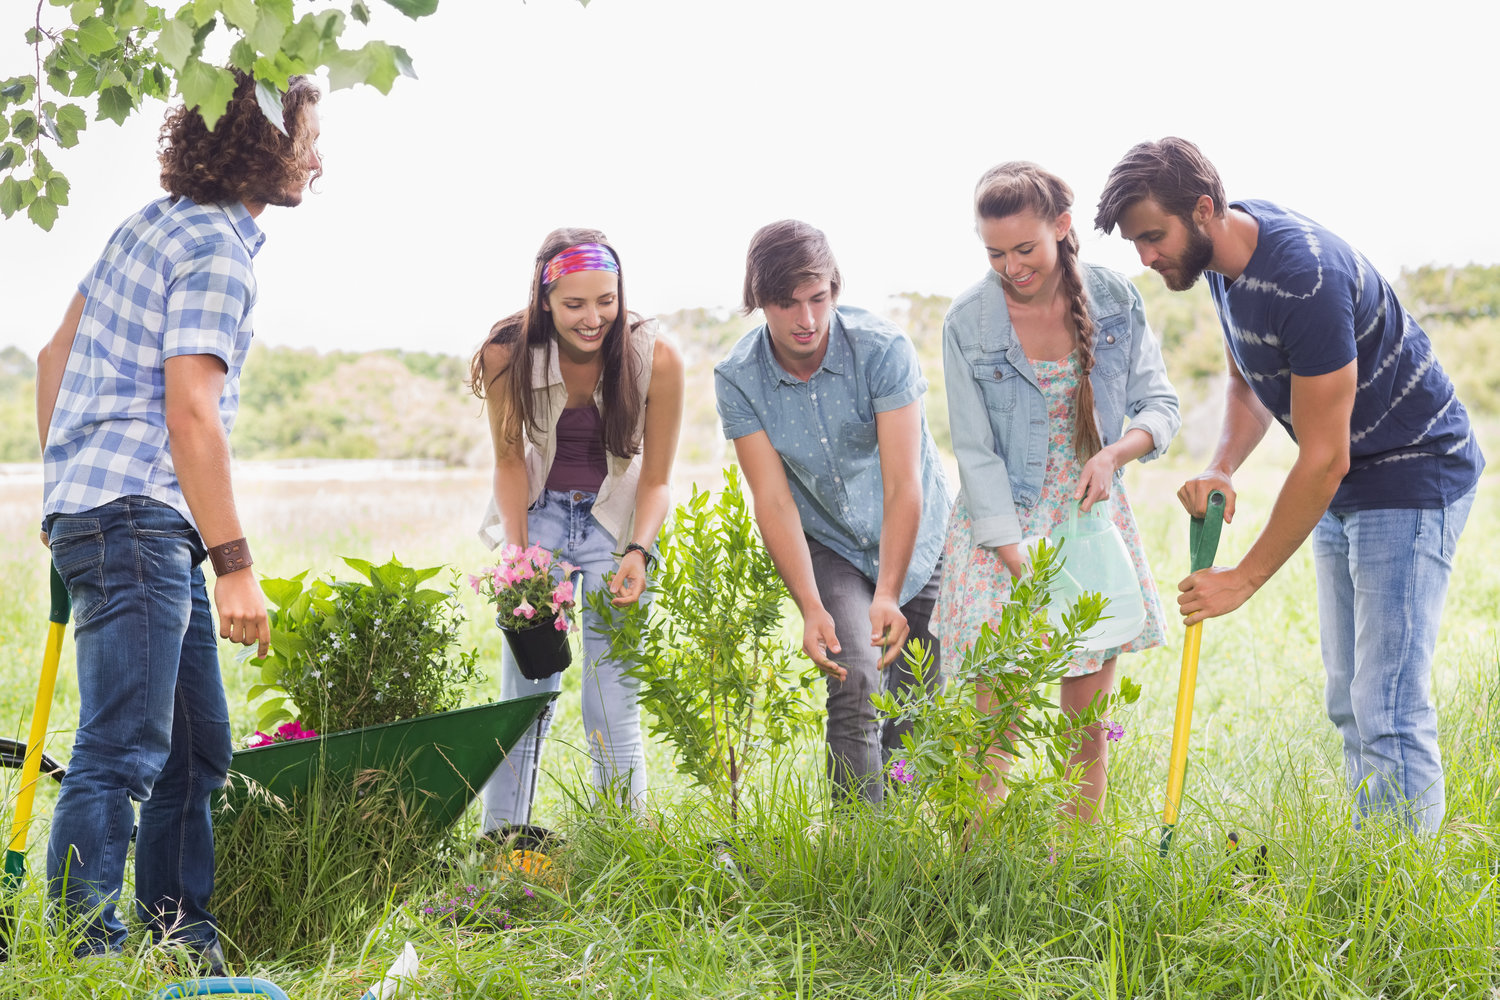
(647, 556)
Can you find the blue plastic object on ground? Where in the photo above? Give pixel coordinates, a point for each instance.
(221, 985)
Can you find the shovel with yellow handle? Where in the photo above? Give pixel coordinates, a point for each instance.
(1203, 538)
(31, 766)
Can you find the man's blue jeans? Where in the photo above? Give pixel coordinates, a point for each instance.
(153, 726)
(1382, 579)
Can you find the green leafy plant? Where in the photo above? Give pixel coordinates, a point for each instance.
(350, 653)
(950, 743)
(716, 673)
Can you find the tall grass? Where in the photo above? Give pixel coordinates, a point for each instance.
(821, 904)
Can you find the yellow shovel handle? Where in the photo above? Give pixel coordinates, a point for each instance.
(1182, 722)
(31, 767)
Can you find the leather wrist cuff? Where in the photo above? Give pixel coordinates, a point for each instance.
(645, 554)
(230, 557)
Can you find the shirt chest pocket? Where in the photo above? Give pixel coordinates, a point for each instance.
(858, 437)
(1111, 355)
(999, 382)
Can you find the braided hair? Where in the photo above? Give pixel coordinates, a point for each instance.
(1020, 186)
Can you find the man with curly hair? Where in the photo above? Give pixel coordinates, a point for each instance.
(136, 395)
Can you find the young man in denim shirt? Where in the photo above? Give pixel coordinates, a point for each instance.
(1386, 467)
(823, 403)
(136, 395)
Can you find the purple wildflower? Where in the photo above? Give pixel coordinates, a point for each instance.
(1113, 730)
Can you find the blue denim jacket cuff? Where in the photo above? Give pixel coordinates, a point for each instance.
(1160, 429)
(993, 532)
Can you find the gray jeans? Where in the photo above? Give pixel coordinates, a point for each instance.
(859, 745)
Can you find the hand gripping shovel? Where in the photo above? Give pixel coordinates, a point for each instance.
(1203, 537)
(31, 767)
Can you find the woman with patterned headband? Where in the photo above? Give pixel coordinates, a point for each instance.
(585, 405)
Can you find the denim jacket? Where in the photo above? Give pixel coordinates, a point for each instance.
(996, 411)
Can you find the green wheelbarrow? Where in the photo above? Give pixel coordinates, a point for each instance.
(438, 761)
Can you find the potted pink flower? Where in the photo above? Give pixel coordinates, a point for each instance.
(533, 594)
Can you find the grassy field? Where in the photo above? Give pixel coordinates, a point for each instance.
(851, 906)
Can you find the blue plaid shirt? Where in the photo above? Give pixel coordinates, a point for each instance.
(175, 279)
(824, 430)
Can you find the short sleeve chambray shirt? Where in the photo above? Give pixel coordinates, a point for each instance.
(175, 279)
(824, 431)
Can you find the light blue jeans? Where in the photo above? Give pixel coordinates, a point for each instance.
(1382, 579)
(564, 520)
(153, 725)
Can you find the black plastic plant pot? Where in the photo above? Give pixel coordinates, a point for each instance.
(541, 650)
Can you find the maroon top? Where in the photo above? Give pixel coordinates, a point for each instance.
(579, 463)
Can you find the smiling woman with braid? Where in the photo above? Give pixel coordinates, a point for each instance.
(1054, 383)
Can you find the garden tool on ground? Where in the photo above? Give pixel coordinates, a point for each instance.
(1203, 544)
(15, 854)
(222, 985)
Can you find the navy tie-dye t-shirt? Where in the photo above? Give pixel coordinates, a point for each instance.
(1308, 304)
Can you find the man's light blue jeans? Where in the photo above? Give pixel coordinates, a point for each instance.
(611, 716)
(1382, 580)
(153, 725)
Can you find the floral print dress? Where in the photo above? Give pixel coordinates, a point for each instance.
(975, 581)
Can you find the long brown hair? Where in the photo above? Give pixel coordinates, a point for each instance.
(1020, 186)
(534, 327)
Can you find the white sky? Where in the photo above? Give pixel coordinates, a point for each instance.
(680, 126)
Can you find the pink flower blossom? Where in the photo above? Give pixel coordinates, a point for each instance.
(561, 624)
(475, 582)
(522, 570)
(260, 739)
(525, 610)
(1113, 730)
(293, 731)
(568, 568)
(542, 559)
(903, 771)
(563, 593)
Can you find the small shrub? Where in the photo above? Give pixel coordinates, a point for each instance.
(717, 677)
(357, 653)
(949, 745)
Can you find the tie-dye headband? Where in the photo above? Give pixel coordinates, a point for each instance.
(580, 257)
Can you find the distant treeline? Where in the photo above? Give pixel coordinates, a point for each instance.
(298, 403)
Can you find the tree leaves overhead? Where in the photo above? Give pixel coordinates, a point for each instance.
(414, 8)
(114, 104)
(113, 54)
(269, 99)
